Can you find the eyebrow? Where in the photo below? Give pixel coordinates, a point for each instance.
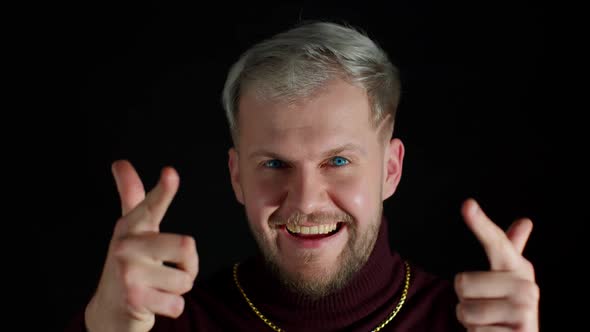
(332, 152)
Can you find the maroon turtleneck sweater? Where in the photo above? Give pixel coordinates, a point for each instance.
(217, 305)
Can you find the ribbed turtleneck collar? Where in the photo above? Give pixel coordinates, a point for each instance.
(370, 295)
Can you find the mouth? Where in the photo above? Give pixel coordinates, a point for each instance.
(316, 232)
(313, 232)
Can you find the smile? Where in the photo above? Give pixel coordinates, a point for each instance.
(313, 236)
(298, 237)
(312, 230)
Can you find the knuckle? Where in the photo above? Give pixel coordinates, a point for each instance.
(127, 274)
(186, 282)
(120, 248)
(530, 314)
(536, 292)
(523, 314)
(187, 244)
(530, 291)
(529, 267)
(188, 252)
(124, 247)
(520, 313)
(133, 298)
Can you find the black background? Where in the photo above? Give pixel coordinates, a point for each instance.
(476, 117)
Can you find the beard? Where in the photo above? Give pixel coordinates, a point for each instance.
(323, 280)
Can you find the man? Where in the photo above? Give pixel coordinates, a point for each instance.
(311, 112)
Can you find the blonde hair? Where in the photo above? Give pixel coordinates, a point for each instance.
(298, 62)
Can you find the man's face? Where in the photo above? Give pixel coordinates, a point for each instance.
(312, 176)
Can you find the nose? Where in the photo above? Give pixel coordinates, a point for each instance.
(306, 191)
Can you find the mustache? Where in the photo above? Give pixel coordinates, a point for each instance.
(298, 218)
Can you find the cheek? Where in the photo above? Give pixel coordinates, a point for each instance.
(262, 197)
(356, 195)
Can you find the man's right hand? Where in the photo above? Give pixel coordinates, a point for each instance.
(135, 284)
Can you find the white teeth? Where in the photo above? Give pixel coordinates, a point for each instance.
(313, 230)
(320, 229)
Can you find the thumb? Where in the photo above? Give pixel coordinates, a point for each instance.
(519, 232)
(129, 185)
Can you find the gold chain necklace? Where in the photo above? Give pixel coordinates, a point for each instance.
(278, 329)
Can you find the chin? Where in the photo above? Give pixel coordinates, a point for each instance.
(314, 281)
(314, 276)
(319, 265)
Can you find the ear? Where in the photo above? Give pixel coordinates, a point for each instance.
(392, 163)
(234, 173)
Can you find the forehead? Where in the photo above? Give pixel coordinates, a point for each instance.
(338, 112)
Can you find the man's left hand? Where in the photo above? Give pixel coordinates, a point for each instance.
(506, 298)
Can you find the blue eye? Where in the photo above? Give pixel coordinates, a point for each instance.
(339, 161)
(273, 163)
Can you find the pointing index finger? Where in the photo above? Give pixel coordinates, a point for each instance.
(499, 250)
(129, 186)
(146, 217)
